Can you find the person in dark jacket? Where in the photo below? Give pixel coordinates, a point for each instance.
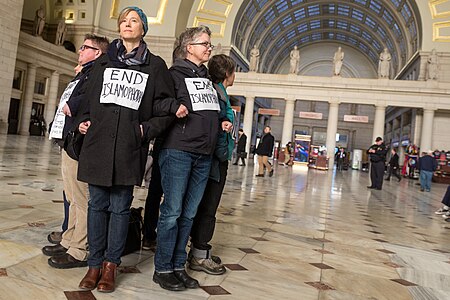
(221, 70)
(72, 251)
(340, 158)
(394, 166)
(377, 153)
(427, 165)
(240, 149)
(125, 110)
(185, 158)
(264, 151)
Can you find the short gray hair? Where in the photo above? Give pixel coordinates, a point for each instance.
(186, 37)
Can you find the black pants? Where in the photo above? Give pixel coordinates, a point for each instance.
(376, 174)
(446, 199)
(241, 156)
(205, 221)
(340, 164)
(394, 172)
(152, 203)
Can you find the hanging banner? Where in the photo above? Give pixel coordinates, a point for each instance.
(356, 119)
(310, 115)
(269, 111)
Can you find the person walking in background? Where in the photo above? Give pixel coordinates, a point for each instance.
(240, 149)
(394, 166)
(118, 129)
(427, 165)
(264, 151)
(221, 70)
(445, 209)
(340, 157)
(287, 154)
(377, 153)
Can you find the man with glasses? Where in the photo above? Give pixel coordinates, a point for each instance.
(71, 252)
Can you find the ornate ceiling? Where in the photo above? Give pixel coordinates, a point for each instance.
(368, 26)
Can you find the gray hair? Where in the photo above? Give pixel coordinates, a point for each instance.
(186, 37)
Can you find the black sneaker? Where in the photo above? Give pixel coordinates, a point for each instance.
(168, 281)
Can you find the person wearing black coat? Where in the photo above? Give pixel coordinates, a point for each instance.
(394, 166)
(72, 250)
(264, 151)
(377, 153)
(128, 89)
(186, 156)
(240, 149)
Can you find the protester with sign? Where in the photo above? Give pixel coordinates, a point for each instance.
(185, 158)
(72, 252)
(221, 70)
(129, 86)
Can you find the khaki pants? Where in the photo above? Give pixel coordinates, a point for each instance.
(75, 237)
(263, 161)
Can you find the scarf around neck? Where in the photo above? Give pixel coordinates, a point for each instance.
(137, 56)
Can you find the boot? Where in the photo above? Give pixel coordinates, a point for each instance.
(89, 282)
(108, 280)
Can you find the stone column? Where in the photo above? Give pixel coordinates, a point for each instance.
(288, 122)
(378, 124)
(11, 12)
(52, 101)
(427, 130)
(333, 114)
(248, 120)
(27, 100)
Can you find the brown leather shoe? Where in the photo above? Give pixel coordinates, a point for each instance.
(89, 282)
(107, 282)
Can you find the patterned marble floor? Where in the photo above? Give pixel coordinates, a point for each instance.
(302, 234)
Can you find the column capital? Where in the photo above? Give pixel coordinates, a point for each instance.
(290, 99)
(430, 109)
(250, 97)
(32, 66)
(333, 103)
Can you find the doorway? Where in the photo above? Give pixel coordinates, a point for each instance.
(13, 116)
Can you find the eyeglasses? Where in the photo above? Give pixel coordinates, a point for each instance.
(83, 47)
(205, 44)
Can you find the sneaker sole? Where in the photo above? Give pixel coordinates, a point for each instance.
(202, 269)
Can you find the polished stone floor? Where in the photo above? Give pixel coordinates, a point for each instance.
(302, 234)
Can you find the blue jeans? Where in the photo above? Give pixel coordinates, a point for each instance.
(108, 218)
(425, 179)
(183, 176)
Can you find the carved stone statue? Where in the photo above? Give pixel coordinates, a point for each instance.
(384, 65)
(432, 66)
(338, 60)
(217, 50)
(61, 32)
(295, 61)
(254, 59)
(39, 21)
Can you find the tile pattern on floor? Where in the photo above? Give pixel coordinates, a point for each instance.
(321, 235)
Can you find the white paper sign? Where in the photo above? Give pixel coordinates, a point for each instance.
(202, 93)
(123, 87)
(60, 118)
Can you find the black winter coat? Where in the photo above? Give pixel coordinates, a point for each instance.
(393, 162)
(380, 153)
(241, 143)
(196, 133)
(113, 152)
(265, 146)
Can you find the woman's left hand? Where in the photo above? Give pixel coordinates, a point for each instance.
(227, 126)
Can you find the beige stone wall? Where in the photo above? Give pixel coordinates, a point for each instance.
(11, 12)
